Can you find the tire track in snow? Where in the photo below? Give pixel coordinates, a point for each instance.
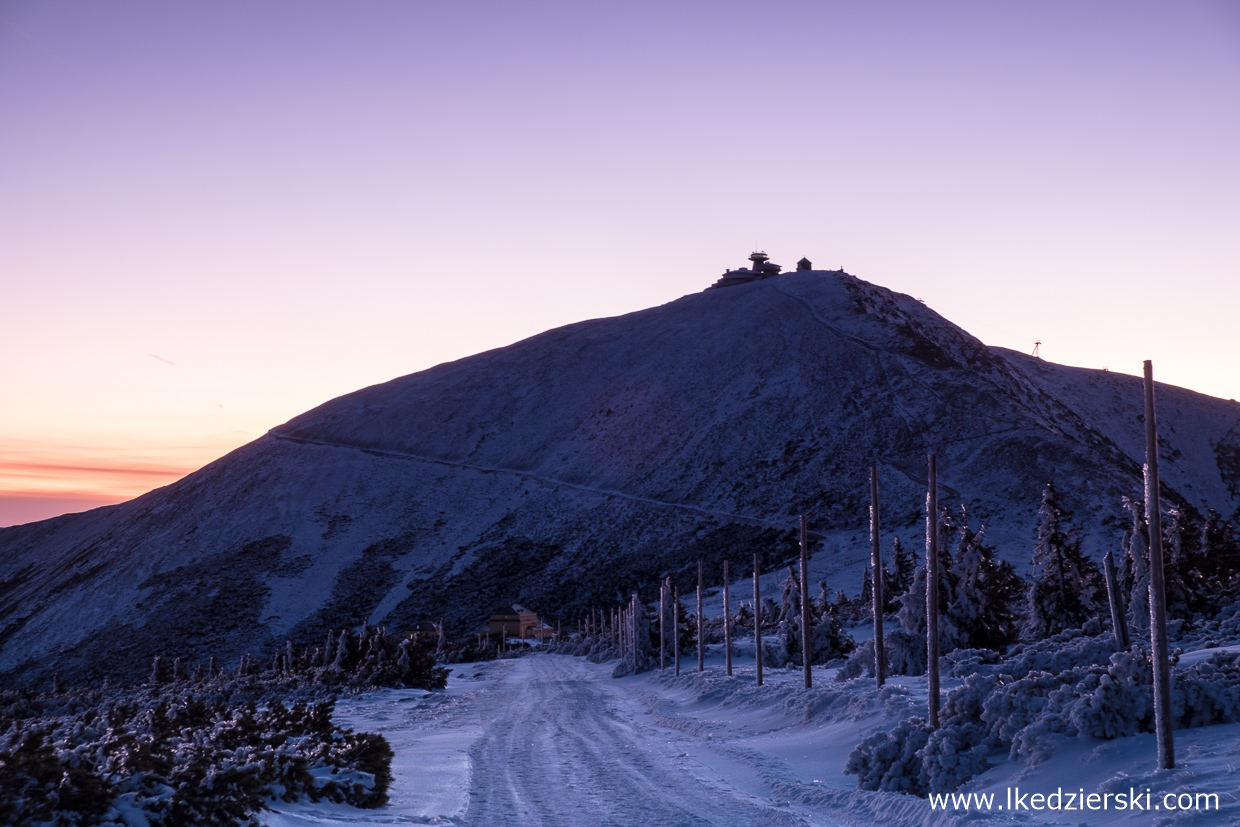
(560, 750)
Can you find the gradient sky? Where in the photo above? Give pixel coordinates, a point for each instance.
(214, 216)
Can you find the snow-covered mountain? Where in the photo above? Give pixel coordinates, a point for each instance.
(566, 469)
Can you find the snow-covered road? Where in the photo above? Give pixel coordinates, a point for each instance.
(550, 741)
(555, 741)
(563, 746)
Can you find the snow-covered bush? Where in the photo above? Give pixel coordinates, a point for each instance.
(1068, 649)
(829, 639)
(965, 662)
(1208, 692)
(1084, 689)
(954, 754)
(892, 761)
(176, 756)
(906, 655)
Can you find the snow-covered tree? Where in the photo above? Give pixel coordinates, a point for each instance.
(1220, 555)
(901, 578)
(982, 612)
(912, 611)
(1137, 567)
(1064, 593)
(828, 637)
(786, 648)
(1181, 542)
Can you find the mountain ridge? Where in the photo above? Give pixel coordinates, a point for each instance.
(594, 458)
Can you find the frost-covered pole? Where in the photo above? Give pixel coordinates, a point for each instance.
(700, 628)
(932, 591)
(1158, 595)
(636, 642)
(1118, 621)
(727, 622)
(622, 630)
(807, 651)
(662, 625)
(676, 626)
(880, 659)
(757, 621)
(629, 637)
(633, 626)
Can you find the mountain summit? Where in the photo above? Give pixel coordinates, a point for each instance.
(571, 467)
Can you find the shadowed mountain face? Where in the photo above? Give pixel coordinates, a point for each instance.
(568, 469)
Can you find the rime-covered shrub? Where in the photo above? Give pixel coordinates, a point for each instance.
(905, 653)
(1089, 691)
(892, 761)
(860, 662)
(954, 754)
(1114, 703)
(829, 639)
(965, 662)
(1208, 692)
(1014, 704)
(957, 751)
(1068, 649)
(176, 757)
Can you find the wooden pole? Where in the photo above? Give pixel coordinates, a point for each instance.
(624, 631)
(880, 657)
(662, 625)
(932, 591)
(701, 637)
(676, 626)
(636, 642)
(807, 650)
(757, 621)
(727, 622)
(1118, 622)
(1158, 594)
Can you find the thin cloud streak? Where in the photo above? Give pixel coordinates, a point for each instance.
(45, 468)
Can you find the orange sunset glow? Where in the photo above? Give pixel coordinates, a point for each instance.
(40, 481)
(216, 216)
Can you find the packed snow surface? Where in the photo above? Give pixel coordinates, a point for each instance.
(553, 740)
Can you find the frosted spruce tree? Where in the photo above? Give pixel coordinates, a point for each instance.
(828, 637)
(1220, 557)
(982, 613)
(1137, 568)
(787, 647)
(901, 579)
(1064, 592)
(1182, 541)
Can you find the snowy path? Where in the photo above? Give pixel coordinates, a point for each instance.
(552, 741)
(565, 748)
(603, 492)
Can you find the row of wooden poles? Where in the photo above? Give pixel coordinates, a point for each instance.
(624, 626)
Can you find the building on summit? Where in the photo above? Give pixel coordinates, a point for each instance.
(763, 268)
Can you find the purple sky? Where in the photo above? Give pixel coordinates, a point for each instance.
(214, 216)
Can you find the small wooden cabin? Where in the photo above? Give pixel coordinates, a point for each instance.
(512, 621)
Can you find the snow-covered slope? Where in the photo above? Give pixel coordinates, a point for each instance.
(576, 465)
